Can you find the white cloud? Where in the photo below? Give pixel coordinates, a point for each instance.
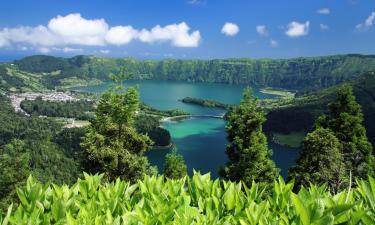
(44, 50)
(262, 30)
(230, 29)
(121, 35)
(324, 11)
(296, 29)
(66, 49)
(3, 41)
(73, 30)
(195, 2)
(104, 51)
(274, 43)
(367, 24)
(177, 34)
(324, 26)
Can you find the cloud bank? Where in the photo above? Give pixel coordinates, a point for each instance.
(230, 29)
(296, 29)
(73, 29)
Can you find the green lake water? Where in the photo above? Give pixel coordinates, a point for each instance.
(201, 141)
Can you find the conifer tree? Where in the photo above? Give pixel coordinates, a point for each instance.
(320, 161)
(112, 144)
(174, 167)
(345, 119)
(248, 152)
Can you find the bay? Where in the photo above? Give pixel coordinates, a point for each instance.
(201, 141)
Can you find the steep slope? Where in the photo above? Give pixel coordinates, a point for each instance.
(310, 73)
(299, 114)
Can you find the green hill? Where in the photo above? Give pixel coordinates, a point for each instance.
(311, 73)
(298, 114)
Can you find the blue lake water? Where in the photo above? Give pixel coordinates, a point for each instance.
(201, 141)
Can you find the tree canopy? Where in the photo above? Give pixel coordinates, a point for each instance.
(112, 144)
(248, 150)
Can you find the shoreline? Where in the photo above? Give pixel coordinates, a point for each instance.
(280, 93)
(182, 117)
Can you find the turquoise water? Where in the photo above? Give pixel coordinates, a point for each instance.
(201, 141)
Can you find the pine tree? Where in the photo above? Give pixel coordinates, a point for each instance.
(112, 144)
(174, 167)
(248, 152)
(345, 119)
(320, 161)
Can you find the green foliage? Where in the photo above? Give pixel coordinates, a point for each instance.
(247, 150)
(206, 103)
(300, 73)
(112, 144)
(14, 170)
(321, 161)
(299, 114)
(345, 119)
(196, 200)
(146, 109)
(174, 167)
(150, 126)
(69, 109)
(27, 146)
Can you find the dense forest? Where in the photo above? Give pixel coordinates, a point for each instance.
(300, 73)
(37, 146)
(298, 114)
(71, 109)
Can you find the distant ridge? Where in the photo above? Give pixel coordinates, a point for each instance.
(304, 73)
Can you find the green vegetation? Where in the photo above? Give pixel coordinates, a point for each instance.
(311, 73)
(345, 119)
(206, 103)
(284, 94)
(146, 109)
(299, 114)
(333, 152)
(337, 148)
(293, 139)
(28, 145)
(174, 167)
(196, 200)
(13, 80)
(68, 109)
(112, 144)
(150, 126)
(321, 161)
(247, 149)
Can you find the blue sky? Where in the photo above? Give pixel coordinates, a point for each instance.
(187, 28)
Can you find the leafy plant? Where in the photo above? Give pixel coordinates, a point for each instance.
(195, 200)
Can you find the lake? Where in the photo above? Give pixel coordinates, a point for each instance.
(201, 141)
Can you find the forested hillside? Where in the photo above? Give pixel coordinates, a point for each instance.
(37, 146)
(298, 73)
(299, 113)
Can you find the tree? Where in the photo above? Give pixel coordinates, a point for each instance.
(174, 167)
(14, 170)
(320, 161)
(112, 144)
(345, 119)
(247, 150)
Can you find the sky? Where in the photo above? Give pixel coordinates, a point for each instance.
(186, 29)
